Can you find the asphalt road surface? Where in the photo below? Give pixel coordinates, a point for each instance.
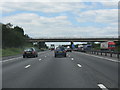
(77, 70)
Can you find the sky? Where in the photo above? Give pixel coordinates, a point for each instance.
(63, 19)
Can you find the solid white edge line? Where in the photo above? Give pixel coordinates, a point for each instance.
(79, 65)
(102, 57)
(27, 66)
(10, 59)
(102, 87)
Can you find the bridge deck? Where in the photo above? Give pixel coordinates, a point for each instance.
(73, 39)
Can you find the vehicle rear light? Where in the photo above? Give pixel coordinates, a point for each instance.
(64, 51)
(33, 52)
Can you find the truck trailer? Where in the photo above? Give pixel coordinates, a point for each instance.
(52, 47)
(110, 45)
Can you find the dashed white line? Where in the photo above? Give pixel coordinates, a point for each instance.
(102, 87)
(69, 55)
(72, 58)
(45, 56)
(27, 66)
(79, 65)
(40, 59)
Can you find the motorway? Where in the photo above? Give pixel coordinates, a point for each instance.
(77, 70)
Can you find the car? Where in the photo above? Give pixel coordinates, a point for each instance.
(69, 50)
(75, 49)
(65, 49)
(60, 51)
(52, 49)
(30, 52)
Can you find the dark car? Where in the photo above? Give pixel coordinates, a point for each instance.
(30, 52)
(60, 51)
(69, 50)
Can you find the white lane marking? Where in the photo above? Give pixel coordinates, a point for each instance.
(69, 55)
(72, 58)
(27, 66)
(40, 59)
(14, 58)
(79, 65)
(101, 57)
(45, 56)
(102, 87)
(11, 59)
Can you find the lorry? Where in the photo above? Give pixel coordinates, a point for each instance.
(87, 47)
(84, 48)
(109, 45)
(52, 47)
(68, 49)
(80, 47)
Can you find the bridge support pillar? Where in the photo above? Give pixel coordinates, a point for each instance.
(71, 45)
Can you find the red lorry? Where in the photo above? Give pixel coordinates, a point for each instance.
(110, 45)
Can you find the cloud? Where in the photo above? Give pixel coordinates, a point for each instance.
(39, 26)
(46, 7)
(100, 16)
(36, 25)
(110, 4)
(60, 1)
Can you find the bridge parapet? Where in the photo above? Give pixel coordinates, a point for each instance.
(72, 39)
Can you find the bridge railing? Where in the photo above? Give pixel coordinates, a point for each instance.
(115, 54)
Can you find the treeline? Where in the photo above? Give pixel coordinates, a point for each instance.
(13, 36)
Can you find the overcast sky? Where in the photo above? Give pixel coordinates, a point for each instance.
(63, 19)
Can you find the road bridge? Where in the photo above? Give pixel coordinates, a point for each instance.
(72, 39)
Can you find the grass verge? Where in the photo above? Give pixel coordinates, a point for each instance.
(0, 52)
(11, 51)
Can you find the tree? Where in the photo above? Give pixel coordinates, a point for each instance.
(13, 37)
(19, 30)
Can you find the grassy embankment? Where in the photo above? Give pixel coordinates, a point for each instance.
(0, 52)
(13, 51)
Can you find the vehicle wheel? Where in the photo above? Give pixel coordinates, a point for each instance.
(55, 55)
(36, 55)
(65, 55)
(23, 56)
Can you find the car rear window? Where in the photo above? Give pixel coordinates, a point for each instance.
(60, 48)
(28, 49)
